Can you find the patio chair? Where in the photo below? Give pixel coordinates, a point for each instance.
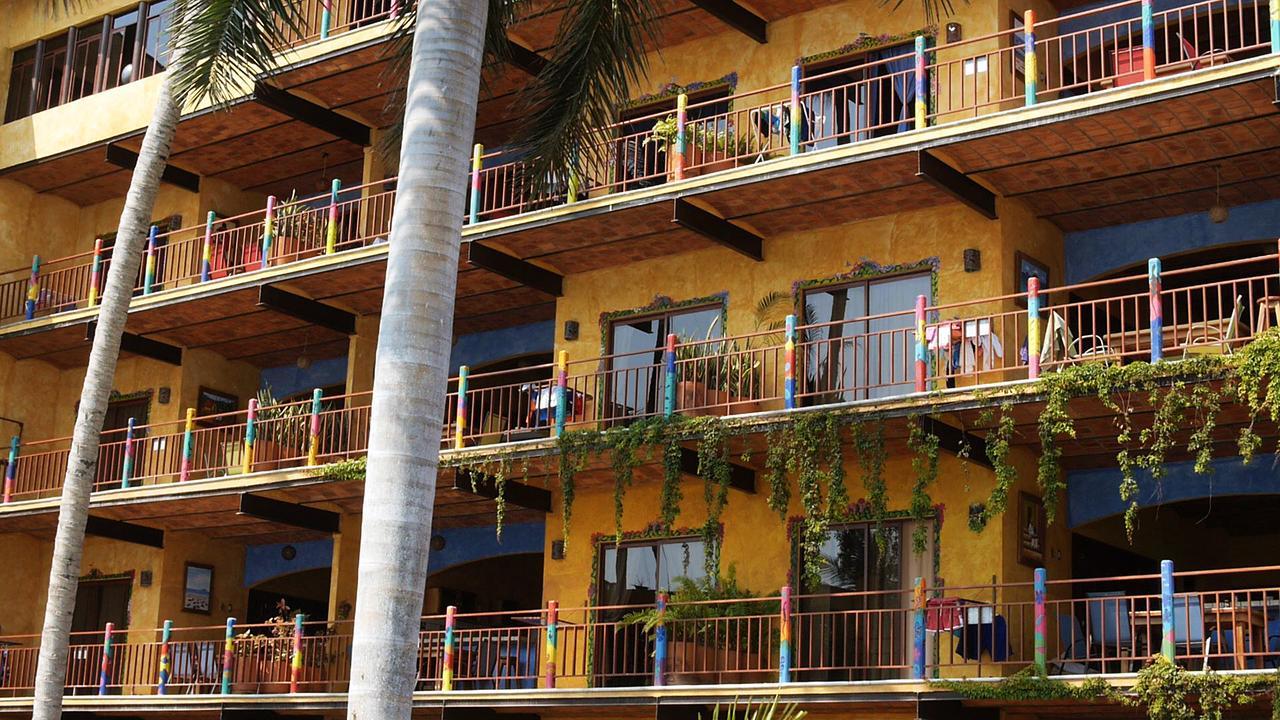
(1110, 623)
(1209, 338)
(1191, 53)
(1058, 337)
(1072, 660)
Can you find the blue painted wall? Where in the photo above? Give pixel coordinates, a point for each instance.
(263, 562)
(290, 379)
(1129, 12)
(464, 545)
(1091, 253)
(485, 347)
(1095, 494)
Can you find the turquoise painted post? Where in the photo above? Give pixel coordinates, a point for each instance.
(1157, 310)
(789, 365)
(229, 656)
(921, 104)
(562, 391)
(1041, 628)
(108, 651)
(1031, 66)
(166, 664)
(1168, 647)
(918, 631)
(679, 158)
(326, 18)
(784, 636)
(660, 643)
(331, 230)
(796, 111)
(460, 423)
(268, 230)
(446, 672)
(126, 469)
(295, 663)
(1033, 327)
(1275, 25)
(11, 470)
(669, 396)
(477, 166)
(1148, 41)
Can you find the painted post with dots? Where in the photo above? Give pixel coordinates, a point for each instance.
(679, 157)
(331, 231)
(660, 642)
(250, 435)
(917, 629)
(1031, 66)
(922, 107)
(553, 639)
(562, 390)
(1168, 644)
(796, 111)
(11, 470)
(166, 662)
(669, 387)
(1148, 41)
(206, 252)
(784, 636)
(229, 654)
(126, 468)
(460, 423)
(295, 663)
(1033, 327)
(446, 671)
(33, 288)
(188, 446)
(268, 230)
(477, 166)
(95, 274)
(922, 356)
(149, 271)
(789, 365)
(1041, 625)
(326, 18)
(1157, 309)
(313, 442)
(108, 653)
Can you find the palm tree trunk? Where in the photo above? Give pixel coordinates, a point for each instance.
(413, 355)
(68, 543)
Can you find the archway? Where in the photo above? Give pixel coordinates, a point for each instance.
(305, 591)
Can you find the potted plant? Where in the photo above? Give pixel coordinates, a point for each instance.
(711, 147)
(283, 431)
(264, 655)
(299, 230)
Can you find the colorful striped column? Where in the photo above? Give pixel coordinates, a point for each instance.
(95, 274)
(1157, 309)
(1033, 327)
(1031, 65)
(126, 469)
(680, 156)
(1168, 645)
(460, 424)
(477, 166)
(446, 671)
(660, 642)
(11, 470)
(1041, 627)
(789, 365)
(166, 662)
(108, 653)
(149, 273)
(796, 113)
(295, 663)
(922, 106)
(313, 442)
(784, 636)
(670, 384)
(206, 252)
(553, 640)
(326, 18)
(268, 230)
(922, 346)
(1275, 25)
(562, 390)
(1148, 42)
(33, 287)
(918, 630)
(229, 656)
(331, 232)
(188, 446)
(250, 436)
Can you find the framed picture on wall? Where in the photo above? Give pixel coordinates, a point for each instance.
(1031, 530)
(1026, 267)
(197, 588)
(213, 402)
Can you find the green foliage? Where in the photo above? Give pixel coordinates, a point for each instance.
(998, 444)
(871, 457)
(219, 47)
(924, 445)
(1027, 685)
(1168, 692)
(708, 597)
(346, 470)
(758, 711)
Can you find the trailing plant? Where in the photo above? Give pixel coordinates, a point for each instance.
(924, 445)
(1027, 685)
(345, 470)
(713, 468)
(1168, 692)
(998, 444)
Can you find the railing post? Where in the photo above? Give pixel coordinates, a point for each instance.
(922, 357)
(206, 252)
(395, 9)
(331, 232)
(660, 643)
(229, 656)
(1168, 646)
(784, 636)
(477, 165)
(678, 158)
(796, 112)
(313, 442)
(1041, 627)
(268, 230)
(922, 106)
(126, 468)
(1275, 25)
(326, 18)
(166, 663)
(188, 446)
(460, 423)
(1148, 42)
(104, 674)
(562, 390)
(669, 388)
(789, 365)
(1033, 328)
(1157, 310)
(11, 470)
(1031, 65)
(95, 274)
(295, 663)
(553, 639)
(149, 271)
(446, 672)
(33, 288)
(918, 631)
(250, 436)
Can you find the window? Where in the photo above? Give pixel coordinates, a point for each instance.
(867, 350)
(636, 347)
(860, 97)
(644, 164)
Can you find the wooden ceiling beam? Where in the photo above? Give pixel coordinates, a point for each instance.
(139, 345)
(524, 59)
(127, 159)
(525, 496)
(714, 227)
(287, 513)
(957, 184)
(515, 269)
(738, 17)
(124, 531)
(317, 116)
(304, 308)
(741, 477)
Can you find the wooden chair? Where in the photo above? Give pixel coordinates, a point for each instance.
(1208, 338)
(1058, 336)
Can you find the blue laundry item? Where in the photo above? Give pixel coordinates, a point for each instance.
(991, 638)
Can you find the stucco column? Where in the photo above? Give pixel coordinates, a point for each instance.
(346, 562)
(360, 356)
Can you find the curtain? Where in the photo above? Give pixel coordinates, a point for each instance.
(900, 60)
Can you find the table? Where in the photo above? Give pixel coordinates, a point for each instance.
(1239, 620)
(1271, 303)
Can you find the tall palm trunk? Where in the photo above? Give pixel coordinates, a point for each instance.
(68, 543)
(413, 355)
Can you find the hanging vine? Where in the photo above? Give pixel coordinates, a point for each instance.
(924, 446)
(871, 457)
(999, 441)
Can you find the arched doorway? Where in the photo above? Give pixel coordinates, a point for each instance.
(305, 591)
(495, 584)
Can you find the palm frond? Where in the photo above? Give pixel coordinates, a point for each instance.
(226, 44)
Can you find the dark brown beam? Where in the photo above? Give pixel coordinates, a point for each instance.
(958, 184)
(139, 345)
(124, 531)
(317, 116)
(739, 18)
(525, 59)
(515, 269)
(304, 308)
(127, 159)
(716, 228)
(526, 496)
(955, 441)
(741, 477)
(287, 513)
